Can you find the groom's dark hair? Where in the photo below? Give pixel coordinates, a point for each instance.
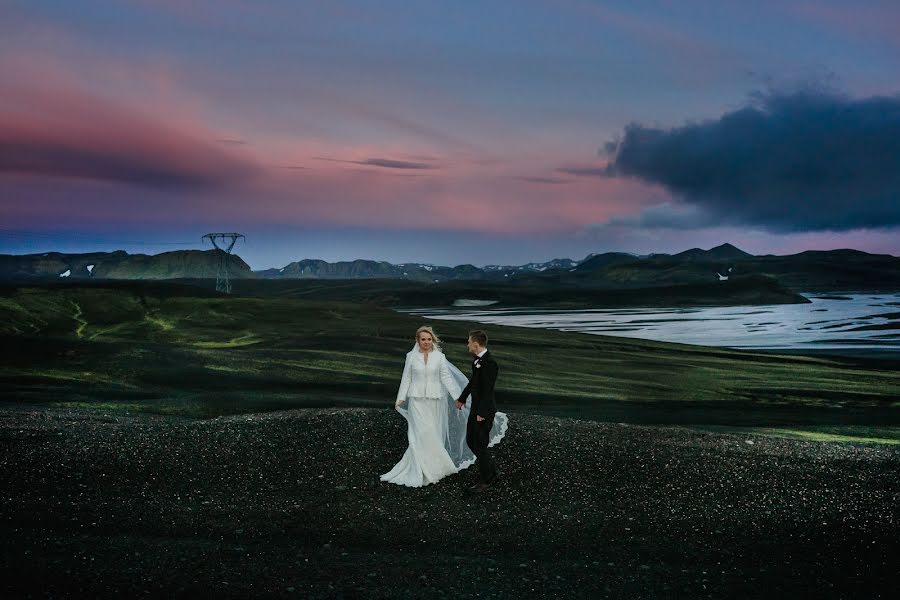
(479, 336)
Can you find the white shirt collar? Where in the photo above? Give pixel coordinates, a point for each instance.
(482, 353)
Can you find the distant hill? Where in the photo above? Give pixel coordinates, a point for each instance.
(121, 265)
(370, 269)
(725, 252)
(829, 270)
(812, 271)
(651, 273)
(556, 263)
(596, 262)
(53, 264)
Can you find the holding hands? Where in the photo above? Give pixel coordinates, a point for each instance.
(460, 405)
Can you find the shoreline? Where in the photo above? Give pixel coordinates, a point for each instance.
(852, 348)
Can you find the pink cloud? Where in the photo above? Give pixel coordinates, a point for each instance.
(50, 127)
(66, 151)
(461, 196)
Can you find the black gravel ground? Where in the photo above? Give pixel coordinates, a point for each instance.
(289, 504)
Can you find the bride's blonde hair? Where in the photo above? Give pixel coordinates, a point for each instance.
(436, 341)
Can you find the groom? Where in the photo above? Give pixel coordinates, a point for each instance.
(481, 417)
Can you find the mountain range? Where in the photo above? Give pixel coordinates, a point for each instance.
(806, 271)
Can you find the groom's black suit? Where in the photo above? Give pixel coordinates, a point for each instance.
(478, 433)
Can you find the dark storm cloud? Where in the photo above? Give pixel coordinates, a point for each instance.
(666, 216)
(385, 163)
(124, 163)
(395, 164)
(793, 162)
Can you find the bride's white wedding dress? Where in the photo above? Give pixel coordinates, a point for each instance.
(436, 428)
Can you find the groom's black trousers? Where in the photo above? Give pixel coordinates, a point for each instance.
(478, 435)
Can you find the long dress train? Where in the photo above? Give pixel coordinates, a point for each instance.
(436, 429)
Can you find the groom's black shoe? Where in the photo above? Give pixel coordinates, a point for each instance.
(478, 488)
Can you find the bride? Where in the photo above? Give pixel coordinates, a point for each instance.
(429, 388)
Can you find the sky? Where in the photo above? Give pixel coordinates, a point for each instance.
(449, 132)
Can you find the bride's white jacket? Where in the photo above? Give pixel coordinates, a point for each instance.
(427, 381)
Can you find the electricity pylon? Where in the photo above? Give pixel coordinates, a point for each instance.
(222, 282)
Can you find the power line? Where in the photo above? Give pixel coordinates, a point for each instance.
(223, 283)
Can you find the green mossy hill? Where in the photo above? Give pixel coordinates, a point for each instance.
(121, 265)
(807, 271)
(551, 290)
(151, 347)
(834, 270)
